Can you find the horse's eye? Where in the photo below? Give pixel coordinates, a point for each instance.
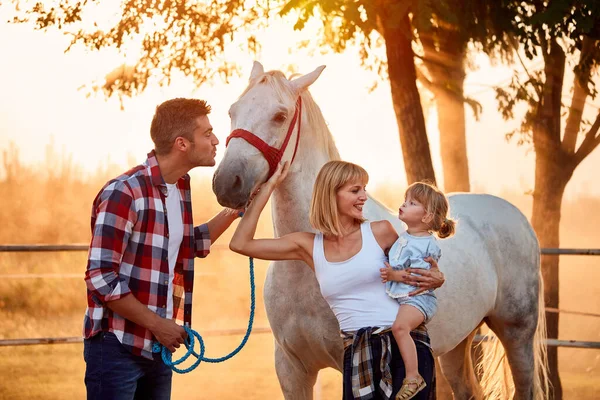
(280, 117)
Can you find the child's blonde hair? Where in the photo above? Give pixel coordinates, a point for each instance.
(436, 204)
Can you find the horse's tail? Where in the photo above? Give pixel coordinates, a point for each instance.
(496, 378)
(541, 380)
(494, 371)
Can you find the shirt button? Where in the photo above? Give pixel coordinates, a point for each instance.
(166, 282)
(164, 306)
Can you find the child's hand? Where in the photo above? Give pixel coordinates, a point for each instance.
(386, 273)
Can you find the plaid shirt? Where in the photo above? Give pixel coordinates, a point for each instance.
(129, 254)
(363, 387)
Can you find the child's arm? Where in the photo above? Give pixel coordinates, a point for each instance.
(388, 274)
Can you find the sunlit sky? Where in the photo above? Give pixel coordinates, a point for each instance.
(40, 104)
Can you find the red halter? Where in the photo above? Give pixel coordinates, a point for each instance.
(271, 154)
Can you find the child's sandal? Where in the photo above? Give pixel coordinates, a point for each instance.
(410, 388)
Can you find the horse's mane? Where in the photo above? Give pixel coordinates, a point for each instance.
(281, 86)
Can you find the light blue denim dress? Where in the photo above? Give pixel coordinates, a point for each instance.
(409, 252)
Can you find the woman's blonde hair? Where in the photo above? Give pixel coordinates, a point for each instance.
(436, 204)
(324, 213)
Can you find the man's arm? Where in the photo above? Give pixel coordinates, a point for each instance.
(166, 331)
(220, 222)
(206, 234)
(115, 217)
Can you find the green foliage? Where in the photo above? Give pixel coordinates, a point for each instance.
(191, 36)
(537, 28)
(343, 22)
(188, 36)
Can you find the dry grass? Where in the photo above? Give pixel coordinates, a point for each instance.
(50, 203)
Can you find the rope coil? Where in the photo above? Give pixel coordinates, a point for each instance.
(193, 336)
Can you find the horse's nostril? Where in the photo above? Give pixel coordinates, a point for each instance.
(237, 182)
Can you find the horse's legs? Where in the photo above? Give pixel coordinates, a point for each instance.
(517, 339)
(295, 380)
(458, 370)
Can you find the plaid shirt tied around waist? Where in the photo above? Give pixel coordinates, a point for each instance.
(363, 386)
(129, 254)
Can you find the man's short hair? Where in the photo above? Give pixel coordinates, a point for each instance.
(174, 118)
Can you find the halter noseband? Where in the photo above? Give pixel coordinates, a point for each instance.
(271, 154)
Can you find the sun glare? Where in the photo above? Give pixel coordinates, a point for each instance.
(45, 98)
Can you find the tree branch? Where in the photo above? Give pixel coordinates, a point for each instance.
(580, 94)
(516, 48)
(590, 142)
(425, 81)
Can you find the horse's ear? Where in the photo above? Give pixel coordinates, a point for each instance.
(257, 70)
(305, 81)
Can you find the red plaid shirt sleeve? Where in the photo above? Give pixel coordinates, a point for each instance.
(112, 226)
(201, 241)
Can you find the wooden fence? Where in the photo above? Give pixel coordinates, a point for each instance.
(222, 332)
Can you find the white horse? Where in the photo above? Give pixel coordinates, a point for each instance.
(491, 265)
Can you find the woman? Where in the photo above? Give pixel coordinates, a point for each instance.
(346, 256)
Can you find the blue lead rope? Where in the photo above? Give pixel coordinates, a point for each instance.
(193, 335)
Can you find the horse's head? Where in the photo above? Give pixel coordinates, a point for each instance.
(265, 122)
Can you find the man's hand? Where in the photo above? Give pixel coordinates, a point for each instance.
(233, 213)
(169, 334)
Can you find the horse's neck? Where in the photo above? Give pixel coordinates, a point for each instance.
(291, 201)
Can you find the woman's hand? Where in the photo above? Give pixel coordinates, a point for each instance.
(425, 279)
(269, 186)
(278, 176)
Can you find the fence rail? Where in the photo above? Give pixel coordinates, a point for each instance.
(571, 252)
(78, 339)
(258, 330)
(20, 248)
(549, 342)
(27, 248)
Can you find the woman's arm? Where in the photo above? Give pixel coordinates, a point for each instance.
(384, 233)
(294, 246)
(425, 280)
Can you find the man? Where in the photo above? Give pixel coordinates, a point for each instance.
(140, 268)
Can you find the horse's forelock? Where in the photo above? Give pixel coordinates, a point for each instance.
(278, 82)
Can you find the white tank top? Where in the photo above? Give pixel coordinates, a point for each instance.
(353, 288)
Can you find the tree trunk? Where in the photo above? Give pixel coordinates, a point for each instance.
(553, 169)
(551, 178)
(447, 72)
(396, 31)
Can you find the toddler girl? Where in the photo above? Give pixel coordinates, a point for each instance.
(425, 211)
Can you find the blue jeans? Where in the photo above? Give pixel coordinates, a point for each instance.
(426, 370)
(113, 373)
